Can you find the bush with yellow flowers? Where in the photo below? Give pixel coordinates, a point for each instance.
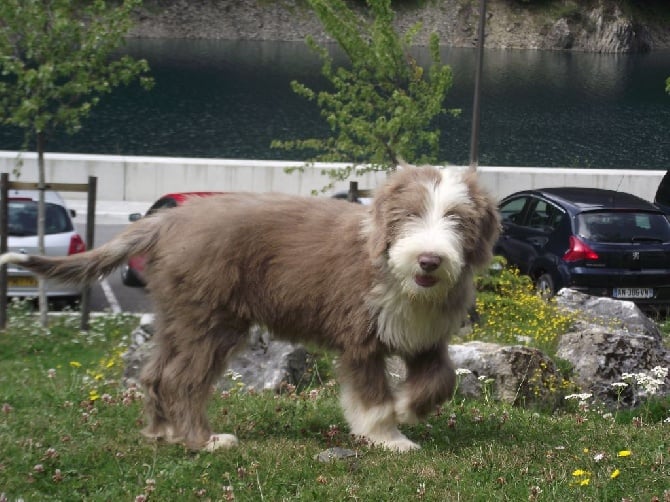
(510, 311)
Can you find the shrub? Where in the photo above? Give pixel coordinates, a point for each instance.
(510, 311)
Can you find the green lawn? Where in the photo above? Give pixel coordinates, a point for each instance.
(69, 431)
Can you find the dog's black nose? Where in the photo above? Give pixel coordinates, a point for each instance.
(429, 262)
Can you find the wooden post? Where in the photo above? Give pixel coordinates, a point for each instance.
(90, 242)
(352, 195)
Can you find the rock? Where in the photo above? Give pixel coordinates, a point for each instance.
(138, 350)
(264, 365)
(267, 364)
(513, 374)
(611, 339)
(560, 36)
(602, 27)
(615, 314)
(520, 375)
(614, 32)
(334, 454)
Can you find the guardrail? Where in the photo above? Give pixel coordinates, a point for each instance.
(145, 179)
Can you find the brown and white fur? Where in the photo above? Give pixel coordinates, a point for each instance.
(395, 277)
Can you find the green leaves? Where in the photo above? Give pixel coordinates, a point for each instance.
(57, 57)
(383, 106)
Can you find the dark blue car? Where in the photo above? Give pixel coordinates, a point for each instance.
(599, 242)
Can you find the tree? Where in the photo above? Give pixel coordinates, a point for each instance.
(384, 106)
(57, 58)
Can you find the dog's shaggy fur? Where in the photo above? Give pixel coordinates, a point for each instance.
(392, 278)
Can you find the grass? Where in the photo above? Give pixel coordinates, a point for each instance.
(70, 431)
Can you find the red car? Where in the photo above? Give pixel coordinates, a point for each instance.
(133, 273)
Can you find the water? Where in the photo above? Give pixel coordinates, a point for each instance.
(231, 99)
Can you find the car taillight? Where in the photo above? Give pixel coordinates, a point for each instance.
(76, 245)
(579, 251)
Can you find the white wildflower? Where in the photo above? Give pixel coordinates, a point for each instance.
(580, 397)
(659, 372)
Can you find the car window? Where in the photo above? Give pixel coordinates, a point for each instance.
(166, 202)
(512, 211)
(601, 226)
(544, 215)
(22, 218)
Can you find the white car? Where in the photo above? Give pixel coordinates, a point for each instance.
(60, 238)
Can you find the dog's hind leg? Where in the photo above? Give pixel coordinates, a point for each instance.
(368, 404)
(430, 381)
(178, 378)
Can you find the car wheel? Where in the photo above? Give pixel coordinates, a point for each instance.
(129, 278)
(545, 286)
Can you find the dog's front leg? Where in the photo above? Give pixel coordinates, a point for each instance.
(368, 403)
(430, 381)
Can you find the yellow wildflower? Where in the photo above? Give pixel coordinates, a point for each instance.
(75, 364)
(615, 474)
(624, 453)
(580, 472)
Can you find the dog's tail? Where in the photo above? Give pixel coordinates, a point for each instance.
(138, 239)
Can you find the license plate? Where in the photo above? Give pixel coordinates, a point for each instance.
(633, 293)
(21, 282)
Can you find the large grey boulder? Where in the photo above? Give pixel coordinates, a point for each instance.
(267, 364)
(513, 374)
(520, 375)
(264, 364)
(612, 340)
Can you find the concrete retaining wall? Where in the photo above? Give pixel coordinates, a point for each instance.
(135, 179)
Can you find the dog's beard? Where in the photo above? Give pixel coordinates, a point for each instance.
(420, 239)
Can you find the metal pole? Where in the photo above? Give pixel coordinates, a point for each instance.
(4, 204)
(474, 138)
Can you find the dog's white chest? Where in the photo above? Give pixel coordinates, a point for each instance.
(413, 327)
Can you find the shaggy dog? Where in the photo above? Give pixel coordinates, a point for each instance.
(395, 277)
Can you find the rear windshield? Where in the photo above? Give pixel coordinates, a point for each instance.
(623, 227)
(22, 218)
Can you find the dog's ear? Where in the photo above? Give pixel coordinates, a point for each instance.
(382, 213)
(484, 221)
(378, 240)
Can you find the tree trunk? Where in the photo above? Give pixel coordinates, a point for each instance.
(41, 210)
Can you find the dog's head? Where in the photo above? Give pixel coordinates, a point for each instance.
(430, 224)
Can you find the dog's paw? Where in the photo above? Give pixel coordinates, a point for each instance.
(400, 445)
(218, 441)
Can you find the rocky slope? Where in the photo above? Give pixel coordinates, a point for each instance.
(597, 25)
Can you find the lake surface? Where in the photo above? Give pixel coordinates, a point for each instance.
(230, 99)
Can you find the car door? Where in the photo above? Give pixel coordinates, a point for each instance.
(525, 237)
(513, 213)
